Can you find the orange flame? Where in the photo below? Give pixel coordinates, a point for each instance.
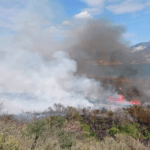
(122, 100)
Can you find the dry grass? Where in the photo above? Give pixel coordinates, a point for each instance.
(50, 138)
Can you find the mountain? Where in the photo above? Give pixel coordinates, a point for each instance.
(142, 50)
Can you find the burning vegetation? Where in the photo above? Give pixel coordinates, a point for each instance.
(78, 128)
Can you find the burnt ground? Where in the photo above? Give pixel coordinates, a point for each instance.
(100, 125)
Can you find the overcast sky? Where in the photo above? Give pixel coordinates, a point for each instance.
(134, 15)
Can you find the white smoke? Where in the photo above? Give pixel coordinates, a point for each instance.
(29, 82)
(36, 72)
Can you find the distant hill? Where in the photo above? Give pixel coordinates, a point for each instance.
(142, 50)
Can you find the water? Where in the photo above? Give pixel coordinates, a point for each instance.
(131, 70)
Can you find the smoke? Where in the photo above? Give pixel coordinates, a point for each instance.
(39, 69)
(100, 39)
(29, 82)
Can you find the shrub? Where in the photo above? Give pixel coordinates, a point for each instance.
(57, 121)
(141, 114)
(114, 130)
(72, 113)
(65, 140)
(86, 130)
(2, 141)
(130, 129)
(9, 143)
(92, 134)
(36, 128)
(110, 113)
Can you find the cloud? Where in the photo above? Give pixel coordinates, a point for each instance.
(128, 6)
(66, 22)
(83, 15)
(7, 16)
(130, 35)
(94, 6)
(94, 3)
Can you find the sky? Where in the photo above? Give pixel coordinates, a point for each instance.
(59, 15)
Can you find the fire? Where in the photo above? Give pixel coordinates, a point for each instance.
(122, 100)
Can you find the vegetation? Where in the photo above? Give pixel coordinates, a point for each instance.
(80, 129)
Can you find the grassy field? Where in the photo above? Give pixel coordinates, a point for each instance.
(80, 129)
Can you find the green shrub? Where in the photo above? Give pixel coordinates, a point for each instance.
(92, 134)
(114, 130)
(36, 128)
(57, 121)
(2, 141)
(9, 143)
(86, 128)
(65, 140)
(145, 132)
(130, 129)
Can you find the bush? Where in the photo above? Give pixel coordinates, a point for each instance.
(9, 144)
(130, 129)
(141, 114)
(36, 128)
(110, 113)
(57, 121)
(86, 130)
(92, 134)
(2, 141)
(114, 130)
(65, 140)
(72, 113)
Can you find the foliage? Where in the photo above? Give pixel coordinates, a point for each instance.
(110, 113)
(57, 121)
(86, 130)
(72, 113)
(114, 130)
(130, 129)
(9, 143)
(65, 140)
(36, 128)
(141, 114)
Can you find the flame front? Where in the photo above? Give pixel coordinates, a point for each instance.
(122, 100)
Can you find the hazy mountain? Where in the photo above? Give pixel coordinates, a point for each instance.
(142, 50)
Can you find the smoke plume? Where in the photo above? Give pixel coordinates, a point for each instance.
(38, 70)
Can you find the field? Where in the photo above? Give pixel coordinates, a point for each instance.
(79, 129)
